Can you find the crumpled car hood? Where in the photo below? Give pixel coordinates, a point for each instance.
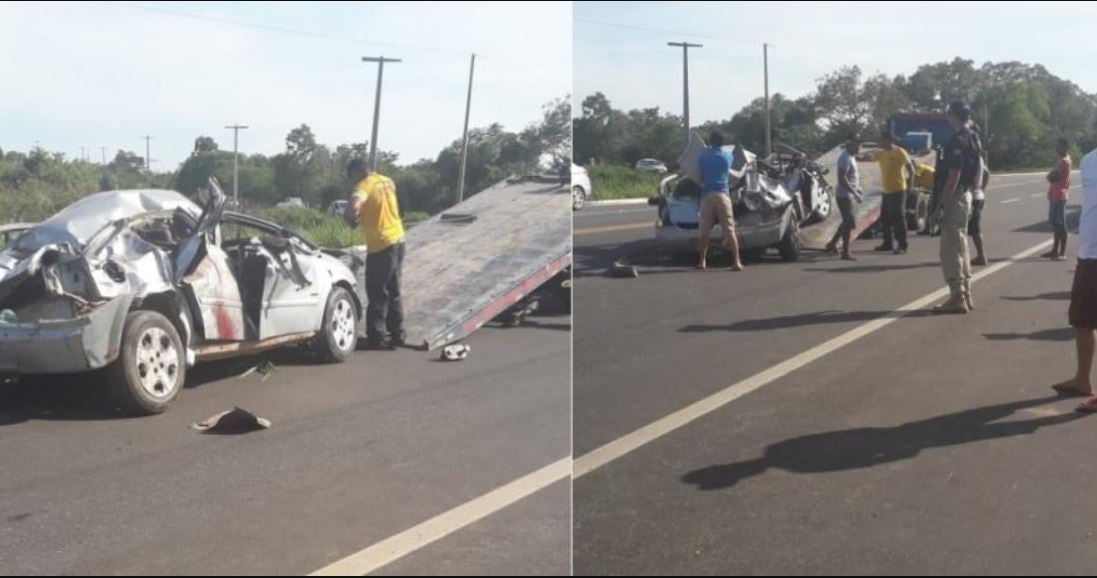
(82, 219)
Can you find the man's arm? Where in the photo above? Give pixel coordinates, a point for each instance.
(950, 185)
(911, 172)
(350, 212)
(843, 179)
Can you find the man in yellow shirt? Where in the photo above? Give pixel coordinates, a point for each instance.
(374, 207)
(897, 177)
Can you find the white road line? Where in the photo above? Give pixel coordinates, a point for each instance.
(1008, 201)
(613, 450)
(395, 547)
(1036, 196)
(1013, 185)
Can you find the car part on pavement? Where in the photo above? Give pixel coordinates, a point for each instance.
(234, 421)
(455, 352)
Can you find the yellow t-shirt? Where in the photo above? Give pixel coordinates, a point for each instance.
(379, 213)
(891, 162)
(923, 176)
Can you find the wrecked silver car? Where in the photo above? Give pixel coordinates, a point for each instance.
(147, 283)
(772, 199)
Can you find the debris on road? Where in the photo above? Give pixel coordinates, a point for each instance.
(233, 421)
(622, 268)
(265, 370)
(455, 352)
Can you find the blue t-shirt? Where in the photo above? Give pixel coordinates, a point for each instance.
(715, 164)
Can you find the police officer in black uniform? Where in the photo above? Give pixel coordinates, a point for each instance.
(962, 165)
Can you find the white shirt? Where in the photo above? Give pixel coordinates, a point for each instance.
(1087, 229)
(847, 166)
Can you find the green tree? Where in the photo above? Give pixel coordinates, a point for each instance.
(204, 144)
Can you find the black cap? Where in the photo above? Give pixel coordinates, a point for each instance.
(960, 109)
(854, 137)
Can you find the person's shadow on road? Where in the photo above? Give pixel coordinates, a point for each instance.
(866, 447)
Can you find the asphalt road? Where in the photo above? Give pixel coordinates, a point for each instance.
(931, 445)
(358, 452)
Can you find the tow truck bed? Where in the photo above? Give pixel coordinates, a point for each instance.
(472, 262)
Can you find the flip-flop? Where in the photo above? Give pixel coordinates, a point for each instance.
(1088, 406)
(1067, 391)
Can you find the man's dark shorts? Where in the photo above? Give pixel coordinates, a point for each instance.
(845, 206)
(1083, 295)
(1057, 213)
(975, 221)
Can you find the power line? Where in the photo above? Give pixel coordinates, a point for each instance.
(515, 68)
(666, 31)
(295, 31)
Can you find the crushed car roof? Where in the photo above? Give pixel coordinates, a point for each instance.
(79, 221)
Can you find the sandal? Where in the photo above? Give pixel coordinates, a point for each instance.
(1088, 406)
(1069, 391)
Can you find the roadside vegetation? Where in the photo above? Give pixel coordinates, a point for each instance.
(38, 183)
(621, 182)
(1025, 108)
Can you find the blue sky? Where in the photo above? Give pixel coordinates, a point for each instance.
(101, 74)
(635, 68)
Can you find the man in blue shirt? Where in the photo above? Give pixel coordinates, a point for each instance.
(715, 164)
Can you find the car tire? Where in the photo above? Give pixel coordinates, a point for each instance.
(338, 336)
(789, 247)
(578, 198)
(151, 368)
(917, 215)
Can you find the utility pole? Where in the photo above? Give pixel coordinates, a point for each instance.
(685, 46)
(236, 162)
(765, 72)
(103, 152)
(148, 158)
(465, 146)
(380, 60)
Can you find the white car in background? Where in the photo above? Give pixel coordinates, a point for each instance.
(292, 203)
(337, 208)
(580, 187)
(651, 166)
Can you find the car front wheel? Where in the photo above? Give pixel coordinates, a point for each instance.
(789, 248)
(578, 198)
(151, 366)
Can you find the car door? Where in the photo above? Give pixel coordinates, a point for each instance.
(203, 271)
(286, 289)
(292, 297)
